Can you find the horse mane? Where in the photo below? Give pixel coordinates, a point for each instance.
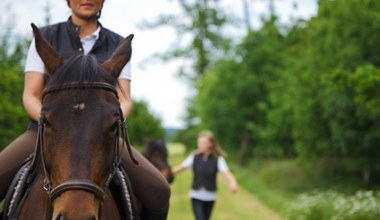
(79, 69)
(156, 146)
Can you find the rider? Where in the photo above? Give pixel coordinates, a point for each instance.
(83, 33)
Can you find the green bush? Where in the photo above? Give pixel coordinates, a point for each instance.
(318, 205)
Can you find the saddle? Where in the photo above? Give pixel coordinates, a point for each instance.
(120, 187)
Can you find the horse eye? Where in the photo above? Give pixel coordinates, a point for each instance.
(114, 127)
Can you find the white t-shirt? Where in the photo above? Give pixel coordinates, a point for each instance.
(202, 193)
(34, 62)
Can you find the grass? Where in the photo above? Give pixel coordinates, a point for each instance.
(275, 198)
(240, 206)
(321, 205)
(280, 182)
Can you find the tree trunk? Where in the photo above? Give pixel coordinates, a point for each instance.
(366, 175)
(243, 148)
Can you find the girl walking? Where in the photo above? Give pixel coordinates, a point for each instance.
(206, 162)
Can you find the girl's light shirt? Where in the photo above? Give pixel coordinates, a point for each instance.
(202, 193)
(34, 62)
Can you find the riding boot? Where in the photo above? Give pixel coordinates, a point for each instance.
(148, 215)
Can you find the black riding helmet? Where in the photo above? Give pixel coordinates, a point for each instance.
(99, 13)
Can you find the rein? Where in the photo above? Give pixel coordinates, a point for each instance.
(83, 184)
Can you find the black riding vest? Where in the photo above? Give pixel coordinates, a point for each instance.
(205, 172)
(64, 38)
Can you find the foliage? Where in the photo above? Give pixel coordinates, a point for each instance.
(321, 205)
(198, 28)
(330, 116)
(188, 137)
(307, 90)
(233, 95)
(143, 125)
(224, 103)
(330, 47)
(13, 119)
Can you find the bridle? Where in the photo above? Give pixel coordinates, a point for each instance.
(82, 184)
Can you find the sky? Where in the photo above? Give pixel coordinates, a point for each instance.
(156, 83)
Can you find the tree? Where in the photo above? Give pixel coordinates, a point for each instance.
(13, 120)
(332, 81)
(199, 30)
(233, 95)
(142, 124)
(338, 40)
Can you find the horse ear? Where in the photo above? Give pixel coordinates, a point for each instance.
(49, 56)
(120, 57)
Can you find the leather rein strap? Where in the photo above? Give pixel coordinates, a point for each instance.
(83, 184)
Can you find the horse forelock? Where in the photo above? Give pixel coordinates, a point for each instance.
(81, 68)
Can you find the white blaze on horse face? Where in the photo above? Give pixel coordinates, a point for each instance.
(80, 106)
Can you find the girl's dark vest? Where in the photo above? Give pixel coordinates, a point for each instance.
(64, 38)
(205, 172)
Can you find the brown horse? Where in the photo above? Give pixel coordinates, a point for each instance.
(156, 152)
(78, 151)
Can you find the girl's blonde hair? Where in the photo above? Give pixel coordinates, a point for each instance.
(216, 149)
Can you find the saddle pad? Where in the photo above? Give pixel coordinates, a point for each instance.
(18, 190)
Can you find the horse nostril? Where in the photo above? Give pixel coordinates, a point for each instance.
(171, 179)
(60, 217)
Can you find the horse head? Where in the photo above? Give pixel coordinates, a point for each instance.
(156, 152)
(79, 127)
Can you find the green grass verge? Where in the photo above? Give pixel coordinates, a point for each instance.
(278, 183)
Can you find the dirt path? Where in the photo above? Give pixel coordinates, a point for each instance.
(241, 206)
(228, 206)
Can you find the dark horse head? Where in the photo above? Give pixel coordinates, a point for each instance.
(156, 152)
(80, 122)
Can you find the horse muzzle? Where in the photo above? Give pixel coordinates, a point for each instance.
(76, 205)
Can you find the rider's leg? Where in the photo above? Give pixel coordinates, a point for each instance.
(149, 186)
(12, 157)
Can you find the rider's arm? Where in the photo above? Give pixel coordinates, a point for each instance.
(33, 83)
(124, 91)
